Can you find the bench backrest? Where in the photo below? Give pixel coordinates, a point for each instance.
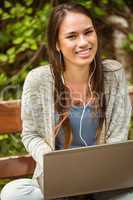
(10, 122)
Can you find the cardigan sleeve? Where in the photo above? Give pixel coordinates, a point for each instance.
(120, 115)
(31, 110)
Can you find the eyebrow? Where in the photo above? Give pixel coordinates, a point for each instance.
(73, 32)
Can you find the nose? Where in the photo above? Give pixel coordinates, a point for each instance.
(83, 41)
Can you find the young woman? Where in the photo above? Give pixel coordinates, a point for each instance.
(77, 100)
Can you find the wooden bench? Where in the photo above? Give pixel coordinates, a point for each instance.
(10, 122)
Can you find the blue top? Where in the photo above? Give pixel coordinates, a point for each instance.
(88, 131)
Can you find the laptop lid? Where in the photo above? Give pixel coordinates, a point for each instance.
(88, 169)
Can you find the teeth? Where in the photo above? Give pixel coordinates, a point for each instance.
(86, 50)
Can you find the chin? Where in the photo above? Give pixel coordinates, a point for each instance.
(85, 62)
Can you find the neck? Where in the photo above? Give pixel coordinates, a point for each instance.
(76, 75)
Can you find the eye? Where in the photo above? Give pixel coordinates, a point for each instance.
(71, 37)
(89, 32)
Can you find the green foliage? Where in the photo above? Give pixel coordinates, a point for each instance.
(119, 4)
(26, 33)
(23, 32)
(128, 44)
(3, 79)
(11, 145)
(99, 11)
(131, 130)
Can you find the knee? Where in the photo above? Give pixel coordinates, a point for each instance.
(8, 191)
(21, 189)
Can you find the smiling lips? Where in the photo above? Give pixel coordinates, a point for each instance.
(85, 53)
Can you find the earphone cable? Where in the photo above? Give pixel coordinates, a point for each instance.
(85, 105)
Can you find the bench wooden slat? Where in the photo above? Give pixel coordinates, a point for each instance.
(16, 166)
(10, 120)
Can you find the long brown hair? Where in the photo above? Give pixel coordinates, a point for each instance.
(61, 92)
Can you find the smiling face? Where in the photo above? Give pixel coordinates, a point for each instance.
(77, 40)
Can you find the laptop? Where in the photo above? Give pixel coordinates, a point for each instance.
(87, 170)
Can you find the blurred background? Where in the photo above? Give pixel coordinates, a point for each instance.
(23, 45)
